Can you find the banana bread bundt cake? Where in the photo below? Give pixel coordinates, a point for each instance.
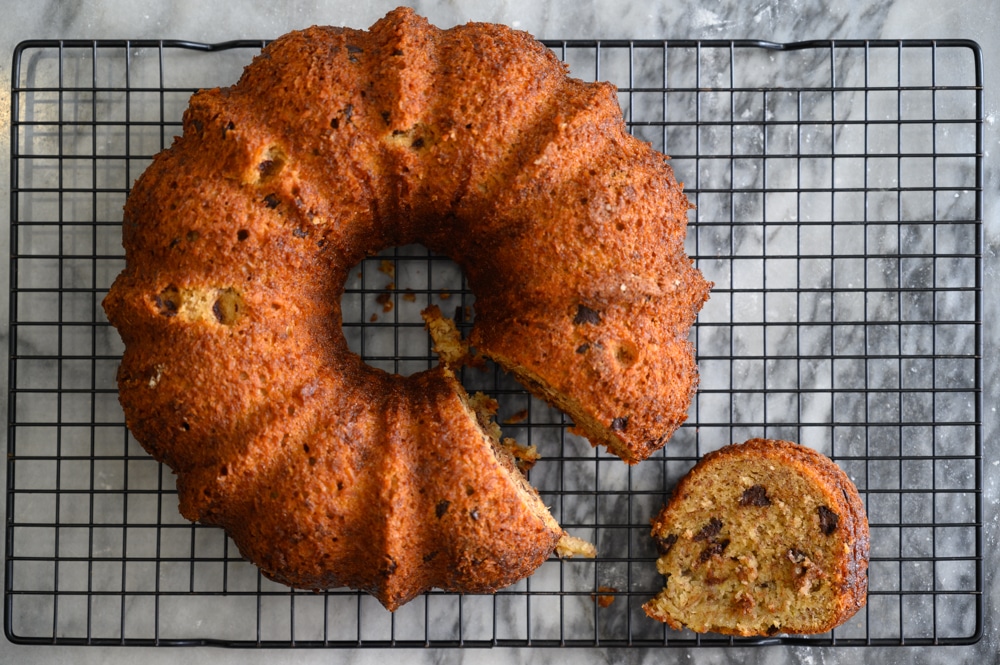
(761, 538)
(337, 143)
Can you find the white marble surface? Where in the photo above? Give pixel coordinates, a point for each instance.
(766, 19)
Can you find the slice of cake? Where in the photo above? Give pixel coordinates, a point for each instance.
(761, 538)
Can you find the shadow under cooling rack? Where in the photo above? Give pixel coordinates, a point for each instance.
(839, 213)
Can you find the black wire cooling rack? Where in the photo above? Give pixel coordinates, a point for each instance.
(839, 213)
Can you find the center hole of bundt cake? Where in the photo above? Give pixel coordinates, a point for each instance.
(382, 303)
(405, 310)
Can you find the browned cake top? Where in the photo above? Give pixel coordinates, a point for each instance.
(334, 144)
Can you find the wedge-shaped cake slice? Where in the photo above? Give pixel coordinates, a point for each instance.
(760, 538)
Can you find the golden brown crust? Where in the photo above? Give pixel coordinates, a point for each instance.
(381, 519)
(334, 144)
(762, 537)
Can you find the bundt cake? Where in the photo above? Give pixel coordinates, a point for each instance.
(337, 143)
(761, 538)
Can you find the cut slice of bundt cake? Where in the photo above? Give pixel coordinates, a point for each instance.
(761, 538)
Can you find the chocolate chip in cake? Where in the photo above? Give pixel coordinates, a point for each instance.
(710, 530)
(164, 308)
(755, 495)
(266, 167)
(351, 48)
(619, 424)
(583, 348)
(168, 301)
(442, 508)
(713, 549)
(664, 545)
(828, 520)
(272, 201)
(586, 315)
(227, 306)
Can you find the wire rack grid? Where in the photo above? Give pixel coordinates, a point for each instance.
(839, 212)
